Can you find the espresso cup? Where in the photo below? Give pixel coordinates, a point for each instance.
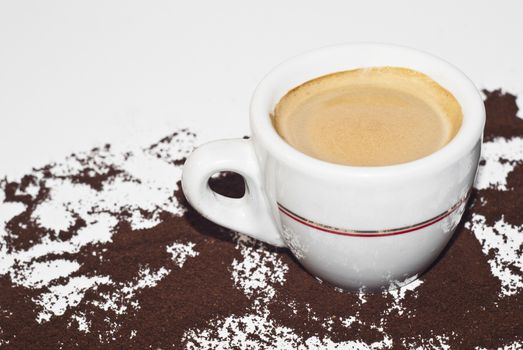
(359, 228)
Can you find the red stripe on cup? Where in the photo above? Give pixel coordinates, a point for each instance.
(371, 233)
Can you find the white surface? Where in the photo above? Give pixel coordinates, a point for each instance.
(74, 75)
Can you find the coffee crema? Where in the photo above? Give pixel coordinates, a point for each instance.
(368, 117)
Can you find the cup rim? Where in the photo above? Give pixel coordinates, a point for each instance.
(470, 99)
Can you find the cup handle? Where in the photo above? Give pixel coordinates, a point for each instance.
(250, 214)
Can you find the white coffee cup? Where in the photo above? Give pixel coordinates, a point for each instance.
(355, 227)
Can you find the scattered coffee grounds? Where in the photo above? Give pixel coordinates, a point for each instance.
(102, 251)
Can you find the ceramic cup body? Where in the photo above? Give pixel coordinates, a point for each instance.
(355, 227)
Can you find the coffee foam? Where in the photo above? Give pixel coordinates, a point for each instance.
(368, 117)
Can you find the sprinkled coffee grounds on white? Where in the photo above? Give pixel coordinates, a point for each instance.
(500, 156)
(258, 271)
(59, 298)
(102, 251)
(502, 243)
(181, 252)
(122, 298)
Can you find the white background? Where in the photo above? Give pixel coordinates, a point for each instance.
(77, 74)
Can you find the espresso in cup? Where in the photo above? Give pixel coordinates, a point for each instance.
(368, 117)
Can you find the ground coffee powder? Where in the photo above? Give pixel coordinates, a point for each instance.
(102, 251)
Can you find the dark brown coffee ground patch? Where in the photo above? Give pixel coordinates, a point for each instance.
(460, 302)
